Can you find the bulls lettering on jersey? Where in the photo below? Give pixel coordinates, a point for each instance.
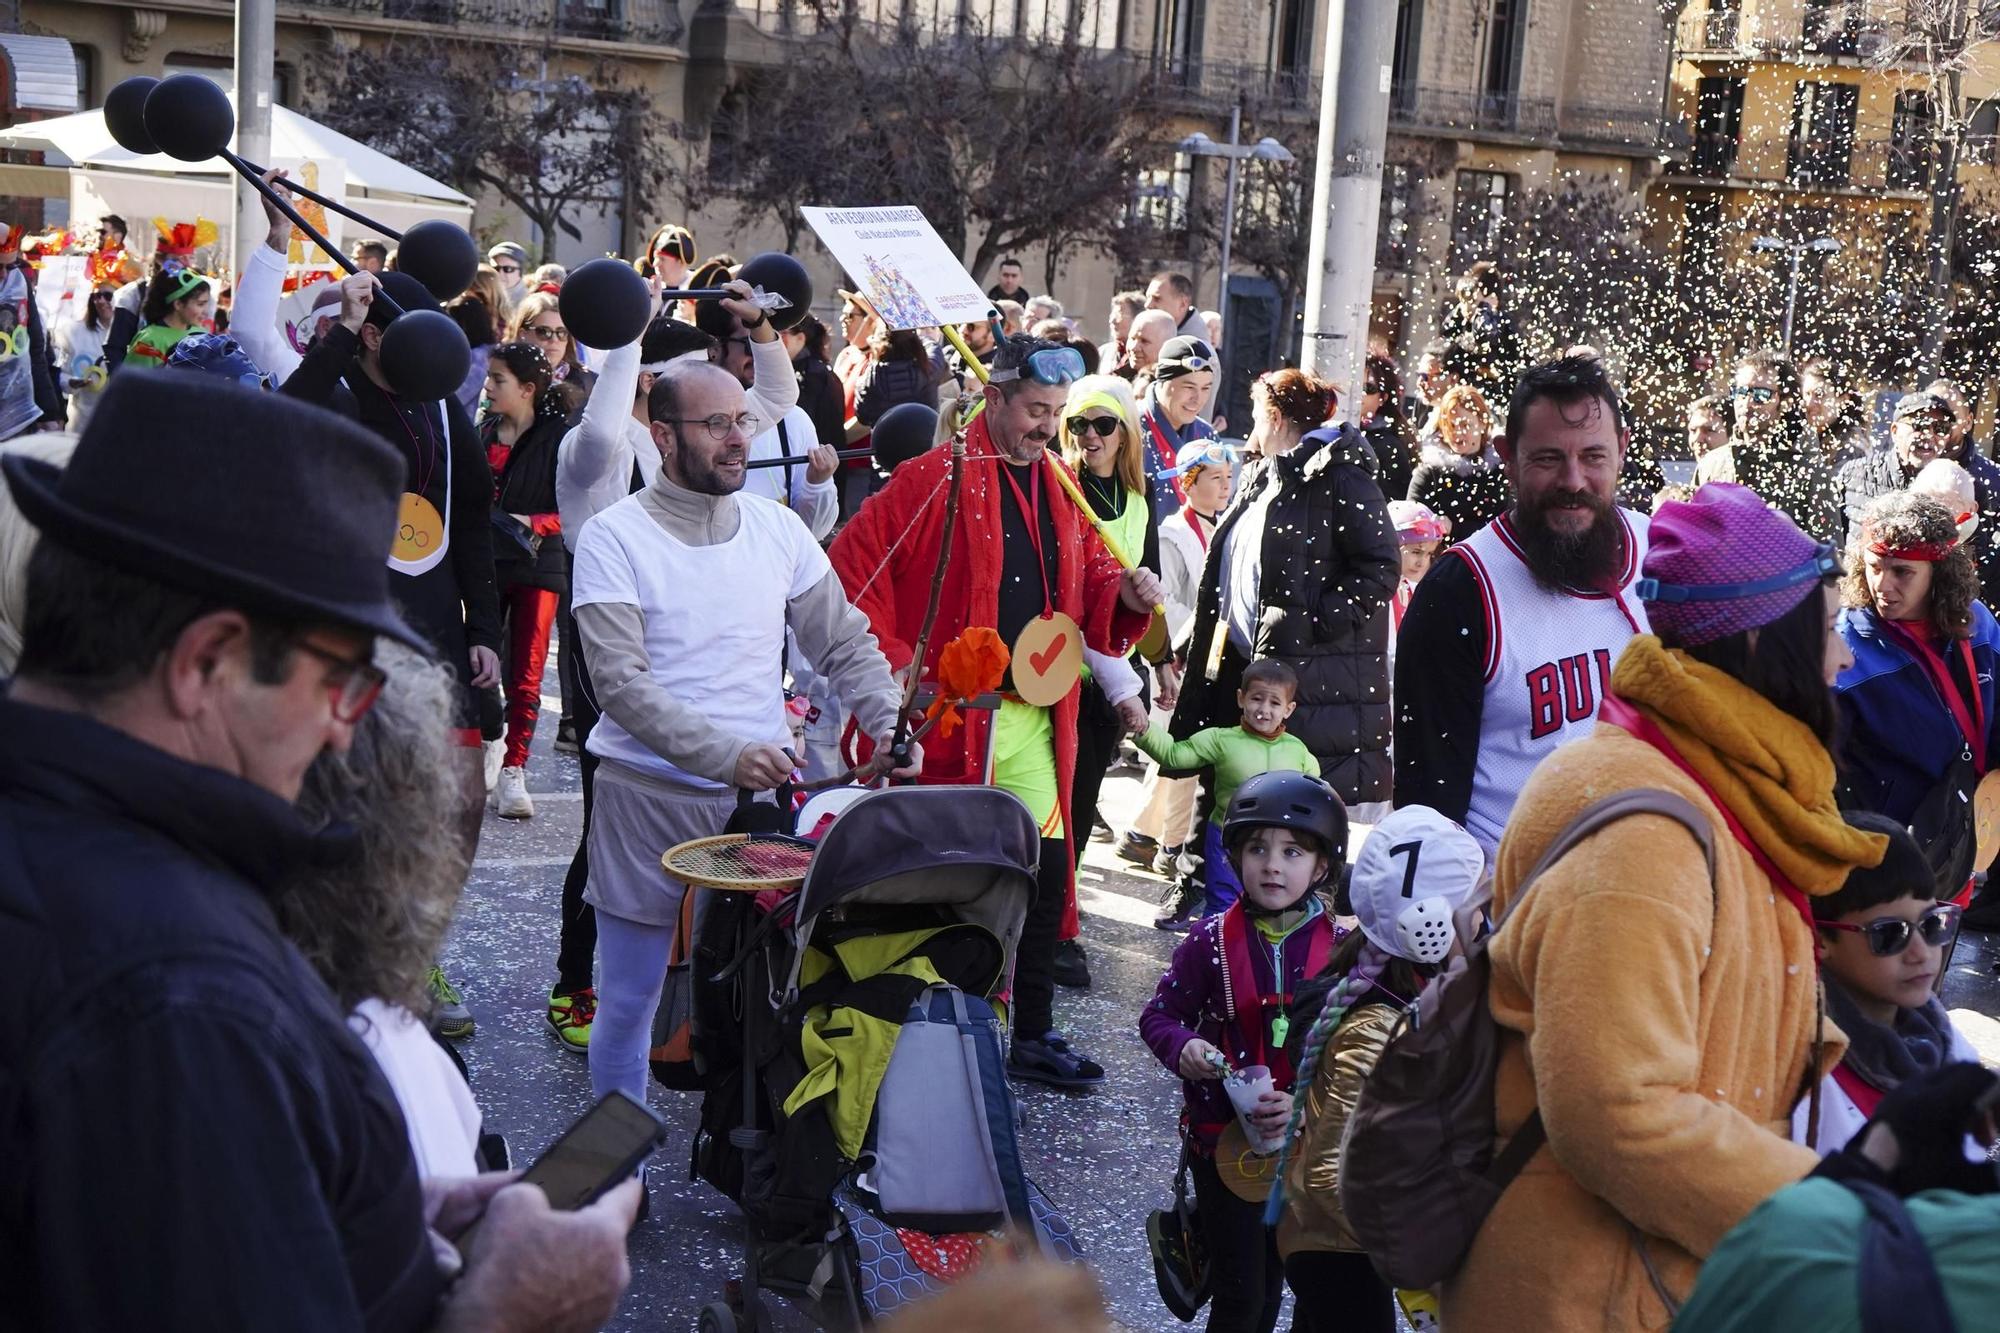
(1549, 653)
(1567, 690)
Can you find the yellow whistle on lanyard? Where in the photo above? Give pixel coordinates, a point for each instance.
(1153, 644)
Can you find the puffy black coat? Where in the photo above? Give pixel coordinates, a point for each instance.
(1878, 472)
(1328, 568)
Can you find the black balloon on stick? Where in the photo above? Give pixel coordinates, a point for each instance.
(424, 354)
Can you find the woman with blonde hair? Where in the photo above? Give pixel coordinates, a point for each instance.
(486, 289)
(1101, 444)
(1459, 477)
(538, 320)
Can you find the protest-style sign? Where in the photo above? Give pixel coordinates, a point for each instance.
(901, 265)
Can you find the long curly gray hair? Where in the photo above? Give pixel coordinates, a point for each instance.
(372, 925)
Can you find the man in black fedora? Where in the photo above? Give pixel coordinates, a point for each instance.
(190, 1136)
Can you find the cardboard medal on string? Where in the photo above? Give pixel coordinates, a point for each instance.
(419, 529)
(1047, 659)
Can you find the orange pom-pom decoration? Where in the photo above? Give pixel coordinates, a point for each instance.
(970, 665)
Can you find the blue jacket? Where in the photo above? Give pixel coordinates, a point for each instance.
(1898, 734)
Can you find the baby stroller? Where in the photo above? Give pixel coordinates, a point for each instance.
(855, 1103)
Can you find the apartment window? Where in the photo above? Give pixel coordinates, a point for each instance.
(1295, 37)
(1911, 141)
(1160, 198)
(1409, 41)
(1506, 33)
(1982, 130)
(1177, 36)
(1718, 126)
(1821, 151)
(1480, 207)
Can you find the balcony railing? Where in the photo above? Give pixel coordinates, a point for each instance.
(1808, 164)
(1629, 126)
(644, 22)
(1824, 32)
(1218, 83)
(1423, 107)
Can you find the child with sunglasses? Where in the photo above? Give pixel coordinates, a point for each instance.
(1884, 935)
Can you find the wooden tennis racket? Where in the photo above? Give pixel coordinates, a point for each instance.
(741, 862)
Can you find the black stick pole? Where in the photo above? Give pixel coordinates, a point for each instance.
(284, 205)
(800, 460)
(253, 170)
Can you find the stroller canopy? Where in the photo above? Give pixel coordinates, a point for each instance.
(972, 849)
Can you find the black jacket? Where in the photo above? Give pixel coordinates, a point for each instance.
(190, 1136)
(455, 602)
(1330, 562)
(1395, 445)
(1470, 491)
(891, 383)
(1878, 472)
(821, 397)
(526, 484)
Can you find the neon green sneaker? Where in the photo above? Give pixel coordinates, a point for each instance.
(570, 1017)
(450, 1019)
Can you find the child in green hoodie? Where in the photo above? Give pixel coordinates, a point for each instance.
(1230, 755)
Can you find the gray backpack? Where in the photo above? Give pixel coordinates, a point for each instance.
(1418, 1173)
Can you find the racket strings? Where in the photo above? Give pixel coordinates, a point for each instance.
(733, 861)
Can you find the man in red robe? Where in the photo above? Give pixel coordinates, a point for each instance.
(1023, 557)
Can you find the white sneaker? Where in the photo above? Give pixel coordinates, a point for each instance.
(511, 796)
(495, 756)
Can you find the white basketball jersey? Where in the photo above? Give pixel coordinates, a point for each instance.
(1548, 662)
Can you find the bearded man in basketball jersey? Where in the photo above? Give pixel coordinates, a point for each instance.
(1506, 650)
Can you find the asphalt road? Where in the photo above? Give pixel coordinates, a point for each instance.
(1105, 1159)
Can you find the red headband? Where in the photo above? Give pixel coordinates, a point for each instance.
(1924, 552)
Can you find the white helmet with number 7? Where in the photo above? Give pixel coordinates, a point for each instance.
(1414, 872)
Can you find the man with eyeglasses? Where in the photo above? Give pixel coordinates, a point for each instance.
(1770, 448)
(1170, 413)
(198, 1080)
(1921, 431)
(740, 329)
(510, 261)
(685, 595)
(608, 455)
(1026, 563)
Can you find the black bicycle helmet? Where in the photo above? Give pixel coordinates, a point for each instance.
(1289, 801)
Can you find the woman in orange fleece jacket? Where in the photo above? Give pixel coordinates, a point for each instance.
(1665, 1027)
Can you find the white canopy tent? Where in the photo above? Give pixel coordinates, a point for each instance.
(104, 178)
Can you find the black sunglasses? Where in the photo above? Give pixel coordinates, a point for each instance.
(1891, 934)
(1103, 426)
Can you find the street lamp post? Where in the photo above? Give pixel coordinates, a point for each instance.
(1795, 251)
(1264, 150)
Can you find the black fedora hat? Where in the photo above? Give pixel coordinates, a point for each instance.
(260, 501)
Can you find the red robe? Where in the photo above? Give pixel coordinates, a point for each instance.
(891, 587)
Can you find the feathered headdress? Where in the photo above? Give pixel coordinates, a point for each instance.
(178, 241)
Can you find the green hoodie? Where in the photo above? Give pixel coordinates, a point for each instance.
(1232, 755)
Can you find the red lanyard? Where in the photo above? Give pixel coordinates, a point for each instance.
(1971, 723)
(423, 462)
(1194, 522)
(1163, 454)
(1031, 510)
(1621, 714)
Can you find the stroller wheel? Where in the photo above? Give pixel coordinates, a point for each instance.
(717, 1318)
